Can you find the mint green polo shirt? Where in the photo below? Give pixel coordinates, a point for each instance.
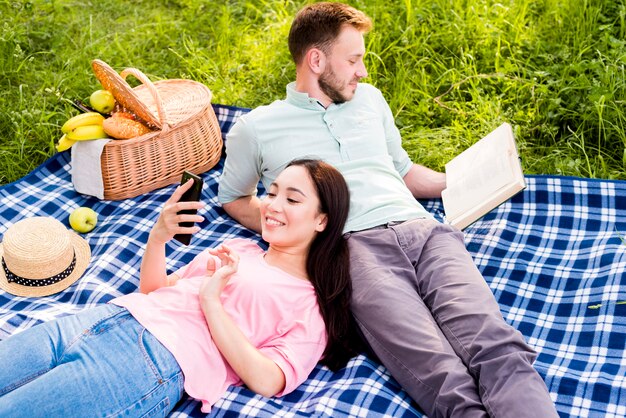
(358, 137)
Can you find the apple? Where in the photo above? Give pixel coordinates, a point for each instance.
(102, 101)
(83, 219)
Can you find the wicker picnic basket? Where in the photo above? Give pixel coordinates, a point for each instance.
(186, 133)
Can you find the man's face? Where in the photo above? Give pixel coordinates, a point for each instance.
(344, 66)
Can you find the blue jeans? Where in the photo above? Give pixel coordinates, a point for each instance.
(100, 362)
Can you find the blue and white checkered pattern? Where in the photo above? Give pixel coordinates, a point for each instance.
(554, 257)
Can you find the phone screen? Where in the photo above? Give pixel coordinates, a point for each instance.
(193, 194)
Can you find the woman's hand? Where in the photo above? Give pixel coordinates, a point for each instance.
(153, 272)
(216, 279)
(166, 225)
(257, 371)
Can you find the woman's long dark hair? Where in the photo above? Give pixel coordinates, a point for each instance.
(328, 264)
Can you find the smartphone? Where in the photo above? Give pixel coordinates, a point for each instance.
(193, 194)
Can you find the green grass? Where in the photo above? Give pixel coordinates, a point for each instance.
(452, 70)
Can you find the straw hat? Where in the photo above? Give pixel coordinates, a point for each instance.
(40, 257)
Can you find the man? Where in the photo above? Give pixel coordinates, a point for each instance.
(418, 298)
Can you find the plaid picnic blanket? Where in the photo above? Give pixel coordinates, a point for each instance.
(554, 257)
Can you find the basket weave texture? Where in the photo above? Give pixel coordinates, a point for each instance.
(188, 135)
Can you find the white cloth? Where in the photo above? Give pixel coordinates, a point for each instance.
(87, 168)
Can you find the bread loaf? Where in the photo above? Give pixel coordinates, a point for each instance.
(120, 126)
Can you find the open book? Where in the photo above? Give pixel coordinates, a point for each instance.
(482, 177)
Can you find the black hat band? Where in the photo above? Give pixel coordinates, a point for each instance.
(23, 281)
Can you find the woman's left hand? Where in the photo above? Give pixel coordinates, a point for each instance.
(259, 372)
(216, 279)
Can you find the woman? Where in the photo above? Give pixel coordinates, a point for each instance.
(234, 315)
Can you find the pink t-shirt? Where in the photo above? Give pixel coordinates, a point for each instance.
(277, 312)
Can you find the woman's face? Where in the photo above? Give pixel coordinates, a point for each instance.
(290, 213)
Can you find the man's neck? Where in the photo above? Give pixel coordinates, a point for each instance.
(311, 87)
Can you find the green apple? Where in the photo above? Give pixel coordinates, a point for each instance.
(83, 219)
(102, 101)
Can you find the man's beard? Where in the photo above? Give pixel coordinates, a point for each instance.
(331, 86)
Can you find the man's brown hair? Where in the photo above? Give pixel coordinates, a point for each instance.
(318, 25)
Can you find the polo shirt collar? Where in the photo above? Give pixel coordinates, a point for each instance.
(303, 100)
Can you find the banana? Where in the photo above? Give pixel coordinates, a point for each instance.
(87, 132)
(64, 143)
(89, 118)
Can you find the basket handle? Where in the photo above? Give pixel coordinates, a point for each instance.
(153, 90)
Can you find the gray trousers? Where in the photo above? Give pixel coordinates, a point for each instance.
(427, 313)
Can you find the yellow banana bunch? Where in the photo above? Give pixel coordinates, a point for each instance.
(86, 133)
(83, 127)
(84, 119)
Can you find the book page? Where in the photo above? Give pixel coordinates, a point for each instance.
(473, 189)
(482, 176)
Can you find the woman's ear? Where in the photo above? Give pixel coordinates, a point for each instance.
(322, 222)
(316, 60)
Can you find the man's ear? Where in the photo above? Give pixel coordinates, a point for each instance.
(316, 60)
(322, 222)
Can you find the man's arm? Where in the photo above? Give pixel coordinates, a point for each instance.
(238, 184)
(424, 183)
(245, 210)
